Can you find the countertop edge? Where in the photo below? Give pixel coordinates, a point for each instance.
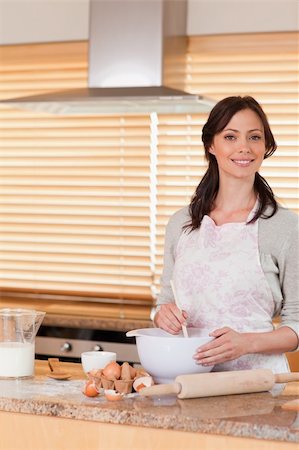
(65, 409)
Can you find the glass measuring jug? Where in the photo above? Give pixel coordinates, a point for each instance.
(18, 328)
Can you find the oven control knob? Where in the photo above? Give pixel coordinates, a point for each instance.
(97, 348)
(66, 347)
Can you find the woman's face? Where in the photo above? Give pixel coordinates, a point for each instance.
(240, 148)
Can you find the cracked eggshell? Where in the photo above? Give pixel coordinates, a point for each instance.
(90, 389)
(95, 373)
(142, 382)
(141, 373)
(95, 377)
(112, 395)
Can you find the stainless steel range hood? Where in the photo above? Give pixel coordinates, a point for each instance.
(137, 63)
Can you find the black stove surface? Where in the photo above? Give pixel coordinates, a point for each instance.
(85, 334)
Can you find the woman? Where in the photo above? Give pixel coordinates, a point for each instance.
(233, 254)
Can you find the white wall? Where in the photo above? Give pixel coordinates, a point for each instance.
(25, 21)
(242, 16)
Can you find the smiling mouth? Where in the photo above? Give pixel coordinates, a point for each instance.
(242, 162)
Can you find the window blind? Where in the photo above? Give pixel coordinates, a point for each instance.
(38, 68)
(75, 192)
(84, 200)
(75, 203)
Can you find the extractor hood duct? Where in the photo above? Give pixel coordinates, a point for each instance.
(137, 63)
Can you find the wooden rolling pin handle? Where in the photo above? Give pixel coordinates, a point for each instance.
(292, 405)
(286, 377)
(161, 389)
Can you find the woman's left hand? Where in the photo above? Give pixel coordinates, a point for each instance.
(227, 345)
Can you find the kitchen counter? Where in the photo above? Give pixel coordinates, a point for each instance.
(249, 419)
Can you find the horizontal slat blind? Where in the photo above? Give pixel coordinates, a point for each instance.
(181, 164)
(262, 65)
(78, 194)
(75, 203)
(75, 191)
(39, 68)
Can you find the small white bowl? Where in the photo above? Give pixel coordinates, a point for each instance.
(95, 360)
(165, 356)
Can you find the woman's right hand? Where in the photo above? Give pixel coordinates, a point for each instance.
(170, 318)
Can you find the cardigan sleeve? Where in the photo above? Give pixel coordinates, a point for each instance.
(172, 234)
(288, 263)
(166, 295)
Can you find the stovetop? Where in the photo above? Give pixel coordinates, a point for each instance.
(68, 343)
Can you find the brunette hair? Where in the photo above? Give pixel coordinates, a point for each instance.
(205, 193)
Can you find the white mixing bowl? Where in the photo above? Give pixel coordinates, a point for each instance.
(165, 356)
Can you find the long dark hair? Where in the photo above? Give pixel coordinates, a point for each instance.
(205, 193)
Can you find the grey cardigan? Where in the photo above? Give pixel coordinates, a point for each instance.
(279, 251)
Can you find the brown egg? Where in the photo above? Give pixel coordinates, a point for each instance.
(112, 371)
(125, 371)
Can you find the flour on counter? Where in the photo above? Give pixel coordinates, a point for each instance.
(33, 388)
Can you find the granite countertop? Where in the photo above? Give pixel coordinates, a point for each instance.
(257, 416)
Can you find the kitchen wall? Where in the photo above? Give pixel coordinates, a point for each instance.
(30, 21)
(26, 21)
(241, 16)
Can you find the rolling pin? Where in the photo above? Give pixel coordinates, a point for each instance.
(221, 383)
(292, 405)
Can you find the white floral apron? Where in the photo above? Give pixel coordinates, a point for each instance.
(220, 282)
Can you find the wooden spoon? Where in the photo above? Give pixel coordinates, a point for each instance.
(184, 328)
(56, 371)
